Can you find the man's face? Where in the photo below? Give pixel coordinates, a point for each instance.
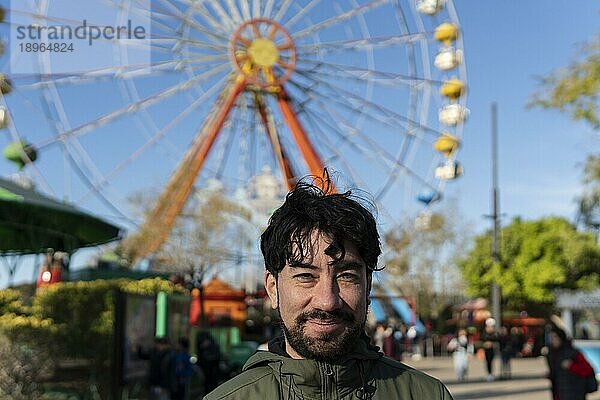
(322, 302)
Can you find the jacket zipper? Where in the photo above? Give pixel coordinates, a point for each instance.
(329, 382)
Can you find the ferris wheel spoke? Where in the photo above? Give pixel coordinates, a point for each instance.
(282, 8)
(339, 18)
(84, 160)
(332, 148)
(245, 9)
(390, 116)
(223, 154)
(222, 14)
(191, 22)
(300, 14)
(234, 12)
(154, 12)
(367, 154)
(374, 147)
(134, 107)
(369, 141)
(361, 44)
(171, 9)
(348, 132)
(155, 138)
(391, 163)
(366, 74)
(74, 152)
(357, 108)
(255, 29)
(83, 176)
(101, 74)
(256, 8)
(207, 60)
(216, 25)
(191, 42)
(268, 8)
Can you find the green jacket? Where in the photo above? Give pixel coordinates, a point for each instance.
(363, 374)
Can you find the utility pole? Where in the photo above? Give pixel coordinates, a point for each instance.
(495, 289)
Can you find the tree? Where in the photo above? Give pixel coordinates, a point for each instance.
(537, 257)
(574, 90)
(420, 259)
(589, 202)
(209, 233)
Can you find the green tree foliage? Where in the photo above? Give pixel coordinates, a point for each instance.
(574, 90)
(10, 302)
(536, 258)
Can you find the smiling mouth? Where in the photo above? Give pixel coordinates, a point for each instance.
(326, 322)
(326, 325)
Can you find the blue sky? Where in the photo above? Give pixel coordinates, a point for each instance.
(506, 45)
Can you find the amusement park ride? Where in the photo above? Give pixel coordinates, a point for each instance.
(301, 85)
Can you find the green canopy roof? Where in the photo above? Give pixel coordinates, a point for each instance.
(31, 222)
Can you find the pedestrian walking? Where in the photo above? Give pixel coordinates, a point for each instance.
(461, 349)
(569, 372)
(489, 339)
(507, 342)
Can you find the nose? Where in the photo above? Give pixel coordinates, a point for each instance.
(326, 295)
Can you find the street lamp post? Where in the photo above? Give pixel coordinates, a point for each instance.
(496, 294)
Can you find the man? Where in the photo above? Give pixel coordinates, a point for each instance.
(320, 251)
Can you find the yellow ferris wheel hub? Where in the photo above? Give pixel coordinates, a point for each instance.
(263, 52)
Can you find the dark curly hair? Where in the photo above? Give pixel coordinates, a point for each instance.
(308, 208)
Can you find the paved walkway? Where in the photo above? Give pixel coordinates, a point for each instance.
(528, 381)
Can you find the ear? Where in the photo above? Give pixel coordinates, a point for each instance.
(271, 288)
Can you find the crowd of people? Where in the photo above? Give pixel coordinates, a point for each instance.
(570, 374)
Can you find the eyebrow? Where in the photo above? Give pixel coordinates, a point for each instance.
(340, 265)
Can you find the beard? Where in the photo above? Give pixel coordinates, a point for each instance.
(329, 346)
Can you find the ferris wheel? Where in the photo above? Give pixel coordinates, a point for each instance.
(373, 90)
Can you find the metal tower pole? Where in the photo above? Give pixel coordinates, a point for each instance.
(495, 289)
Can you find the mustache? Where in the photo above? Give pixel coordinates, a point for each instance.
(338, 314)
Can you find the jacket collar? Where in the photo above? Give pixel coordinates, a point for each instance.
(313, 378)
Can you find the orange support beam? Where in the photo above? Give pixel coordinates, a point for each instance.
(157, 227)
(289, 175)
(313, 161)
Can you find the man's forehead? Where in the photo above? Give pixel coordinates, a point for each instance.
(320, 243)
